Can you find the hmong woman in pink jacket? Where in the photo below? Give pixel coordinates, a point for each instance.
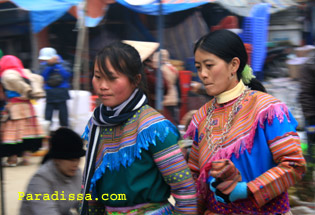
(246, 151)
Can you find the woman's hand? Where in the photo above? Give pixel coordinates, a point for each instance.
(227, 182)
(240, 191)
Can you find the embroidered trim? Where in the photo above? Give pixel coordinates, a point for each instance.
(126, 155)
(216, 146)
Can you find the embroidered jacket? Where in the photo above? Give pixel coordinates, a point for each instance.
(141, 159)
(262, 143)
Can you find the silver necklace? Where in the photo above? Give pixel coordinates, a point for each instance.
(214, 147)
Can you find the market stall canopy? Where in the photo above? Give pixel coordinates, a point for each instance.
(239, 7)
(43, 13)
(151, 7)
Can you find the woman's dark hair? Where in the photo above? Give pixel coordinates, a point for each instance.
(124, 59)
(226, 45)
(255, 84)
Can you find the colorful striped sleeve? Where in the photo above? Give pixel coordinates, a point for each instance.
(284, 144)
(193, 164)
(193, 161)
(171, 163)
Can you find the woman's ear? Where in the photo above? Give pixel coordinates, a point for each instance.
(138, 79)
(235, 64)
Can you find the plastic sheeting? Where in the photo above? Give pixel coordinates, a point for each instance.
(43, 13)
(239, 7)
(169, 6)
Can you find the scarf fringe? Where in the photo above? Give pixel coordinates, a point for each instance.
(245, 142)
(127, 155)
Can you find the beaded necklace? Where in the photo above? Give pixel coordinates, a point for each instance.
(214, 147)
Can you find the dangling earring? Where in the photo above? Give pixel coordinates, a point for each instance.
(232, 76)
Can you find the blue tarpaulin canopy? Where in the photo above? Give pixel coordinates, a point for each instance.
(151, 7)
(43, 13)
(239, 7)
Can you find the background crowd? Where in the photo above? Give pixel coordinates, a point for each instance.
(126, 105)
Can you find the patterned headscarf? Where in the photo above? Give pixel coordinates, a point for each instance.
(11, 62)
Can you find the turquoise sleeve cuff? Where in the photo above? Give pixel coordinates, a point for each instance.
(239, 192)
(210, 185)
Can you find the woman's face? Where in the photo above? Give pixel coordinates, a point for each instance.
(111, 91)
(68, 167)
(216, 75)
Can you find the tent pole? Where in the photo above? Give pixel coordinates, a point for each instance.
(78, 61)
(159, 84)
(34, 51)
(79, 49)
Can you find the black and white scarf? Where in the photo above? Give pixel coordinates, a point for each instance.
(108, 117)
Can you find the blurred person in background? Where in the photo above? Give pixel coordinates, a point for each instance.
(307, 101)
(150, 72)
(150, 67)
(132, 149)
(246, 152)
(2, 104)
(309, 22)
(59, 174)
(57, 85)
(171, 75)
(2, 94)
(20, 130)
(146, 51)
(43, 63)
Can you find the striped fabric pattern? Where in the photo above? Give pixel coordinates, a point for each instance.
(289, 171)
(243, 127)
(256, 109)
(178, 176)
(115, 140)
(121, 145)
